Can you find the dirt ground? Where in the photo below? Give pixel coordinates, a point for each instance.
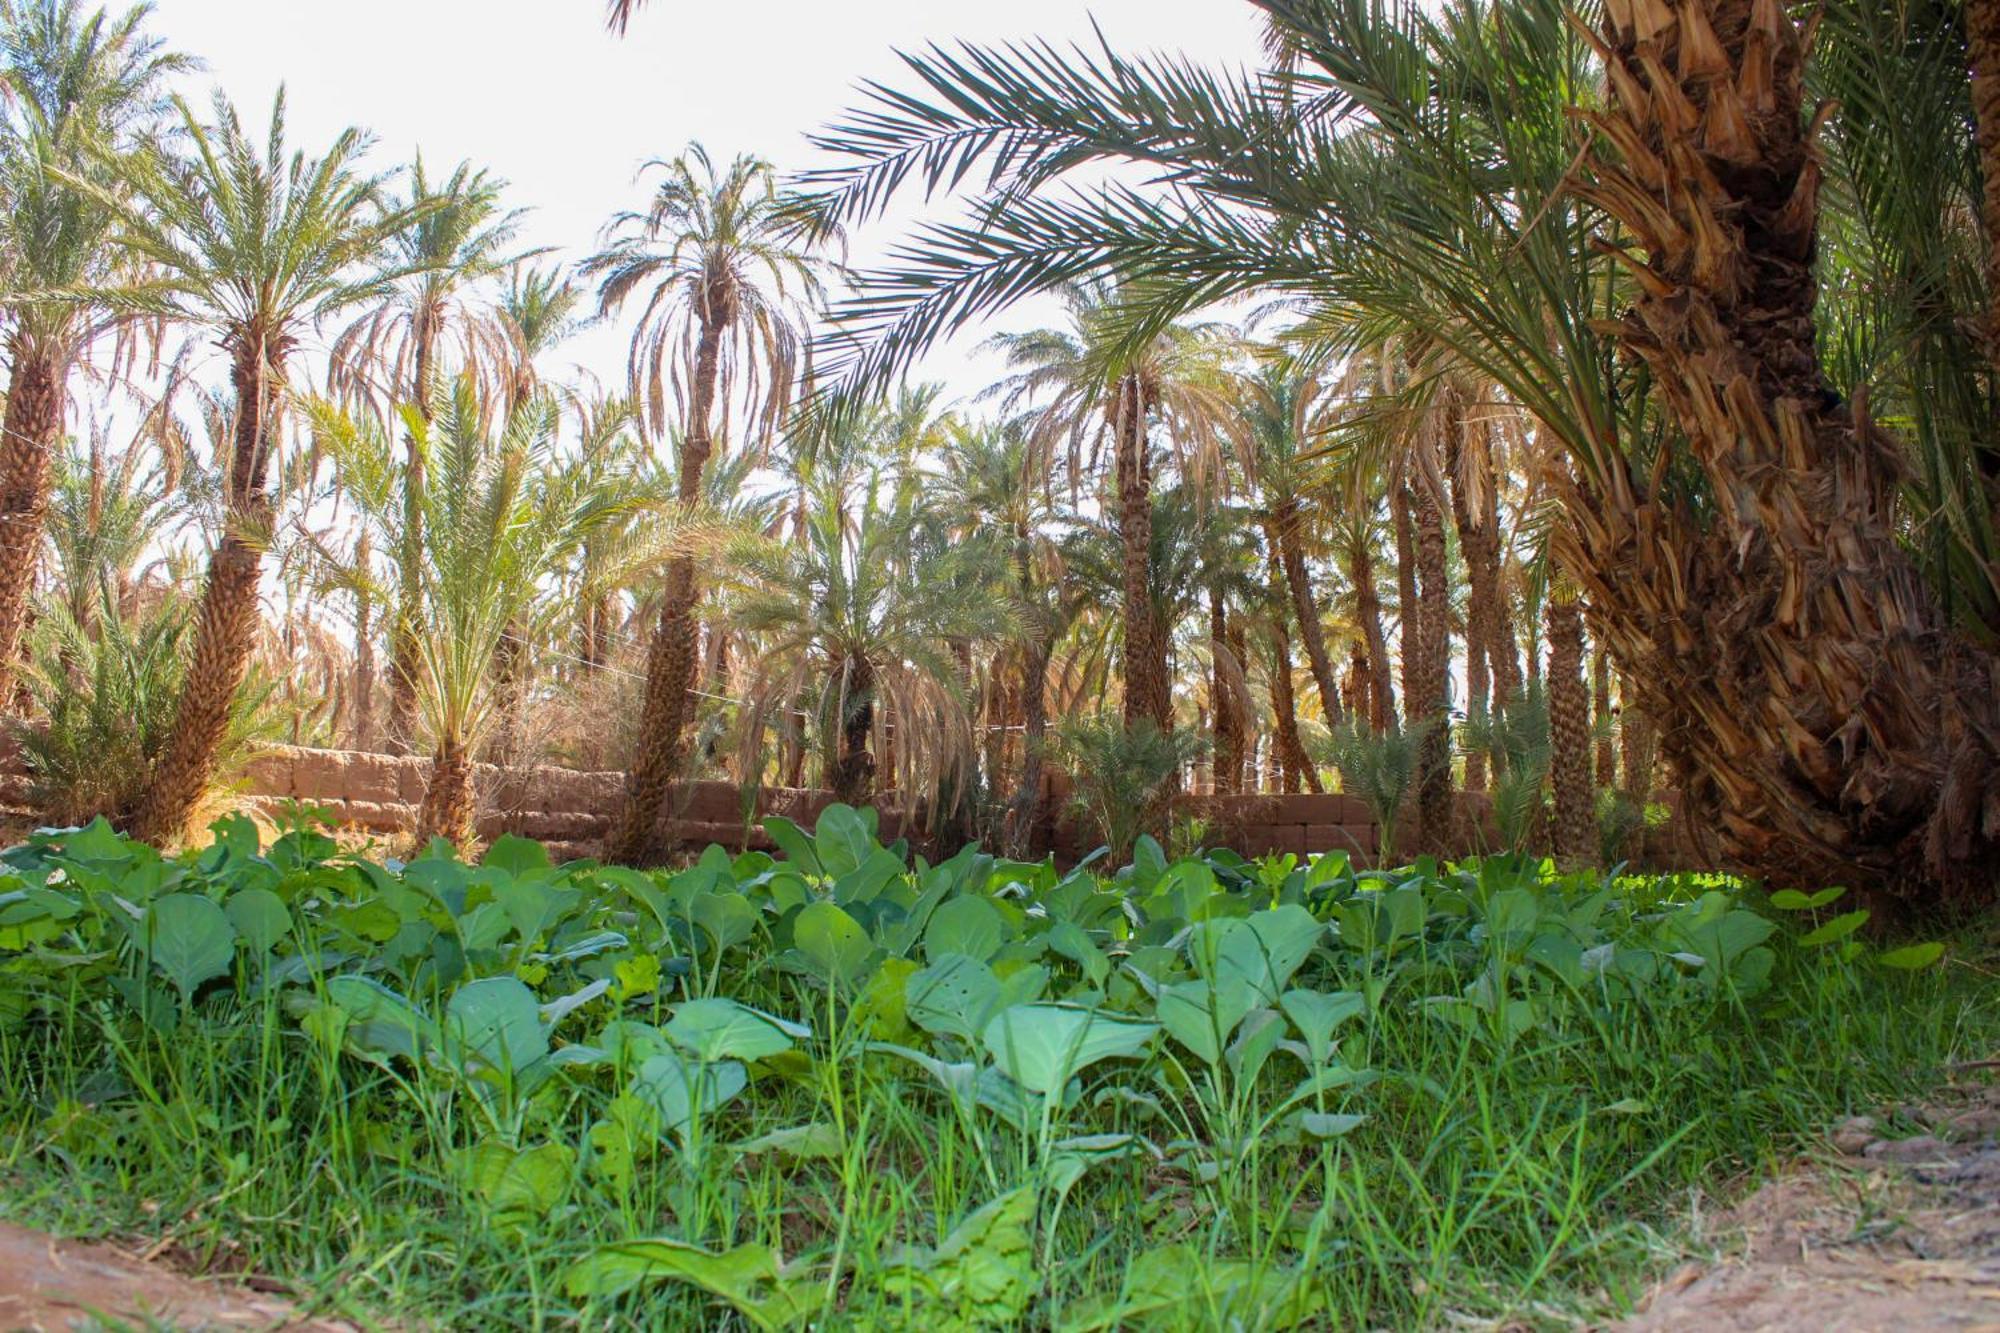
(53, 1286)
(1895, 1226)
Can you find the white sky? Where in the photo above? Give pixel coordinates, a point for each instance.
(539, 92)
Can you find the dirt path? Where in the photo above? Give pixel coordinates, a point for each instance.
(52, 1286)
(1879, 1233)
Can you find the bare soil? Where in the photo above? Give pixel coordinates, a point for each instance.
(52, 1286)
(1895, 1226)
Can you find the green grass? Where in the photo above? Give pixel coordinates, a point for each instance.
(1530, 1159)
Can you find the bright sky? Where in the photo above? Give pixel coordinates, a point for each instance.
(538, 91)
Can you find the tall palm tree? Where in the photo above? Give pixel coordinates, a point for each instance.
(855, 625)
(1569, 728)
(501, 515)
(538, 311)
(390, 355)
(253, 243)
(1000, 500)
(1281, 404)
(1098, 402)
(726, 278)
(81, 90)
(1734, 518)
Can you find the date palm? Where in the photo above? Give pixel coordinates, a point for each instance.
(500, 515)
(1736, 522)
(392, 353)
(253, 243)
(855, 623)
(82, 88)
(1099, 404)
(725, 281)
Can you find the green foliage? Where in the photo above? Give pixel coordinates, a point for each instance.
(104, 695)
(1120, 772)
(1022, 1088)
(1379, 767)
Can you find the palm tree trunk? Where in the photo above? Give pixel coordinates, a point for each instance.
(1982, 42)
(30, 429)
(1827, 716)
(670, 657)
(225, 632)
(1226, 763)
(1408, 607)
(854, 771)
(404, 668)
(1430, 701)
(1294, 764)
(1148, 692)
(1569, 731)
(1027, 803)
(1286, 521)
(447, 809)
(1479, 687)
(1368, 610)
(1468, 469)
(510, 686)
(1600, 724)
(364, 651)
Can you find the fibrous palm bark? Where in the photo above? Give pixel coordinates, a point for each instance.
(1227, 759)
(1430, 700)
(670, 657)
(1288, 521)
(30, 429)
(1600, 718)
(1982, 41)
(448, 805)
(1829, 718)
(225, 631)
(1368, 611)
(1148, 691)
(1569, 730)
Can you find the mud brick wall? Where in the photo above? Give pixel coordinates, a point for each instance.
(377, 795)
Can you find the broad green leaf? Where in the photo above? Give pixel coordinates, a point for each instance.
(1791, 900)
(189, 939)
(834, 942)
(747, 1277)
(1261, 950)
(260, 917)
(970, 925)
(985, 1268)
(1321, 1125)
(380, 1022)
(1317, 1014)
(1201, 1015)
(1042, 1046)
(676, 1088)
(728, 918)
(1837, 929)
(722, 1029)
(517, 856)
(495, 1024)
(1913, 956)
(529, 1182)
(800, 1141)
(794, 843)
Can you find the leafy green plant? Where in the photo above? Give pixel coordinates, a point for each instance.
(1121, 771)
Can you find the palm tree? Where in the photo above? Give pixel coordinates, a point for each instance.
(538, 311)
(254, 244)
(854, 624)
(500, 516)
(390, 354)
(1417, 165)
(1089, 389)
(1281, 402)
(725, 279)
(1569, 728)
(80, 91)
(999, 500)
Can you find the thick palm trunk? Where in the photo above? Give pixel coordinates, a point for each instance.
(1226, 762)
(1148, 693)
(670, 657)
(448, 806)
(1368, 610)
(1468, 469)
(1409, 609)
(510, 687)
(225, 632)
(1286, 523)
(1635, 743)
(1479, 689)
(30, 429)
(1430, 701)
(1294, 765)
(1569, 731)
(854, 771)
(1600, 718)
(1027, 804)
(1826, 717)
(1982, 42)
